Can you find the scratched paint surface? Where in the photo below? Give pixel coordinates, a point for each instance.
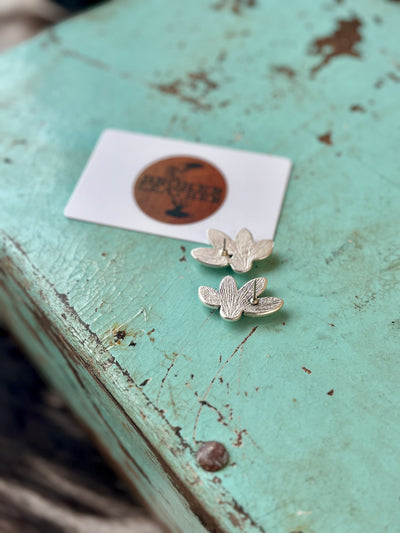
(306, 402)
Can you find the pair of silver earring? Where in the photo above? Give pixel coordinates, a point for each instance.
(239, 254)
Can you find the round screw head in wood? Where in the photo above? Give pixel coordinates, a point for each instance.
(212, 456)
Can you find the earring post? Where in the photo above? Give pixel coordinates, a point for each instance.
(254, 300)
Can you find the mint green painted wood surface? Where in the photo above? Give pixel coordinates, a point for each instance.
(230, 74)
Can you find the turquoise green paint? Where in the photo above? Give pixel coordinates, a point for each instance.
(305, 460)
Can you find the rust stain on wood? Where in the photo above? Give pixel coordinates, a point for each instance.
(152, 339)
(221, 418)
(239, 437)
(163, 382)
(342, 42)
(119, 336)
(326, 138)
(193, 89)
(236, 6)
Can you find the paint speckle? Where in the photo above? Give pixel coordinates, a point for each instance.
(239, 437)
(119, 336)
(285, 70)
(17, 142)
(222, 56)
(236, 6)
(394, 77)
(326, 138)
(357, 108)
(193, 89)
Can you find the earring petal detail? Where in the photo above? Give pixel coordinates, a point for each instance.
(238, 253)
(234, 302)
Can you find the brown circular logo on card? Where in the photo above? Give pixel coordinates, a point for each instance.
(180, 190)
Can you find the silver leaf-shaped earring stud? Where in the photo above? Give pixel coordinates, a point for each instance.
(234, 302)
(239, 253)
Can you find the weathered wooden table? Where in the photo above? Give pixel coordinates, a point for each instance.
(306, 402)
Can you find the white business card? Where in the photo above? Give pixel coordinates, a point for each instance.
(179, 189)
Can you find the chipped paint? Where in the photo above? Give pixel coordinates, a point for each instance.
(326, 138)
(342, 42)
(193, 89)
(235, 6)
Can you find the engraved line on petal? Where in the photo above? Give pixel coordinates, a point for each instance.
(266, 306)
(240, 263)
(228, 284)
(244, 240)
(261, 249)
(217, 237)
(210, 257)
(233, 316)
(210, 297)
(247, 291)
(231, 303)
